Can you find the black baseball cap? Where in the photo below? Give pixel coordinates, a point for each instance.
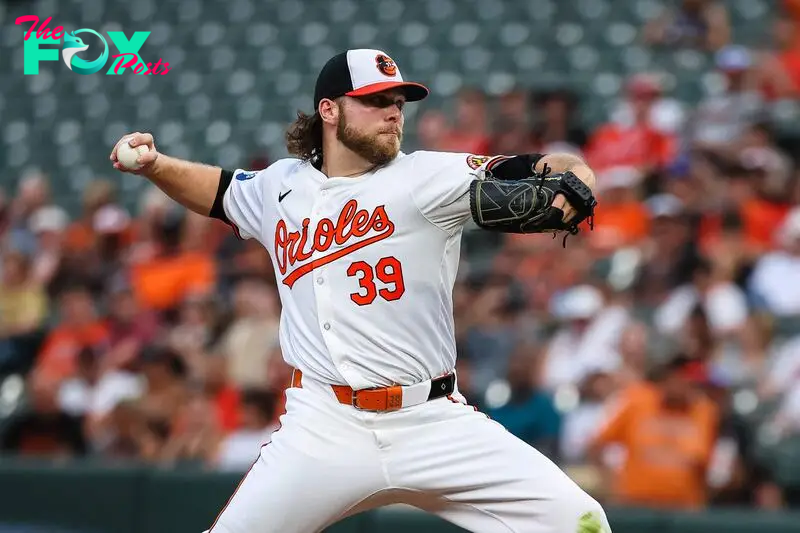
(360, 72)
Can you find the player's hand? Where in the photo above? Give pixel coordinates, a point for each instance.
(560, 200)
(561, 203)
(147, 160)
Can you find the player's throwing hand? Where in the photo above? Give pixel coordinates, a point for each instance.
(134, 153)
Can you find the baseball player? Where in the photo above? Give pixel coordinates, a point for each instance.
(365, 243)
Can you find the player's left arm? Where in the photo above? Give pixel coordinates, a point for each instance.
(533, 193)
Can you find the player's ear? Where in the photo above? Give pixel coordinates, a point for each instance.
(328, 111)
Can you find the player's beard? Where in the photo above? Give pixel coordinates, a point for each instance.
(377, 149)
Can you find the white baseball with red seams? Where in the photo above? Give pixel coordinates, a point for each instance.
(365, 269)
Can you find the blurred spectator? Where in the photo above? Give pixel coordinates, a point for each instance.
(722, 118)
(668, 430)
(111, 225)
(775, 281)
(634, 345)
(130, 329)
(246, 343)
(736, 476)
(238, 259)
(241, 447)
(93, 393)
(80, 234)
(130, 437)
(529, 412)
(582, 423)
(223, 394)
(556, 126)
(742, 225)
(193, 332)
(470, 132)
(166, 391)
(432, 129)
(621, 218)
(162, 280)
(33, 193)
(778, 70)
(195, 437)
(42, 429)
(633, 142)
(713, 289)
(78, 326)
(23, 311)
(47, 224)
(490, 336)
(699, 24)
(586, 340)
(511, 136)
(668, 254)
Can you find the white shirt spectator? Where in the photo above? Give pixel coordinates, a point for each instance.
(725, 305)
(239, 449)
(78, 397)
(776, 281)
(571, 355)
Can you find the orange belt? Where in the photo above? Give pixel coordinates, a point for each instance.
(383, 398)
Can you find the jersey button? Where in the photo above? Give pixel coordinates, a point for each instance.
(326, 325)
(320, 281)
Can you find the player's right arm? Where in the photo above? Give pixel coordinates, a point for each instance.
(204, 189)
(193, 185)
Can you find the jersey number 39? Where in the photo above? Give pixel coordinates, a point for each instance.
(389, 273)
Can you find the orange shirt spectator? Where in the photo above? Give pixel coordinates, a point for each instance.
(227, 404)
(637, 145)
(778, 72)
(163, 282)
(759, 218)
(621, 219)
(79, 328)
(667, 449)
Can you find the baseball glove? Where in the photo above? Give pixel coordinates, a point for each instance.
(526, 205)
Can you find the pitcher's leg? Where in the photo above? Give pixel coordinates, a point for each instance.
(316, 469)
(490, 481)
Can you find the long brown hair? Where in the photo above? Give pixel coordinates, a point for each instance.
(304, 136)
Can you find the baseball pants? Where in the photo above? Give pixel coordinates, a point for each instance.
(329, 461)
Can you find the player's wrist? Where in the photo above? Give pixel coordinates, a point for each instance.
(161, 168)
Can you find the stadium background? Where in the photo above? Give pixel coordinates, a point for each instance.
(139, 369)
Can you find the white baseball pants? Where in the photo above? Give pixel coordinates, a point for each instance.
(329, 461)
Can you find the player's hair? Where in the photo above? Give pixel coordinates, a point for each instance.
(304, 136)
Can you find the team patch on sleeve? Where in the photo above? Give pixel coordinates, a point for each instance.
(476, 161)
(244, 175)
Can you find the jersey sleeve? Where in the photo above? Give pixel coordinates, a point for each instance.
(243, 202)
(441, 185)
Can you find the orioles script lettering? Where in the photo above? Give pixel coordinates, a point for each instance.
(292, 247)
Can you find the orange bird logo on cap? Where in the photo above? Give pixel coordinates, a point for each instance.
(386, 65)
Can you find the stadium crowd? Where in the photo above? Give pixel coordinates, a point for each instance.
(634, 356)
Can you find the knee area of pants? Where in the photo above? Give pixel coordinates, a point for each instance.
(578, 505)
(591, 516)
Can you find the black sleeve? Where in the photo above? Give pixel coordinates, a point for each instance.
(217, 211)
(515, 167)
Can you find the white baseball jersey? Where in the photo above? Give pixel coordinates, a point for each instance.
(365, 265)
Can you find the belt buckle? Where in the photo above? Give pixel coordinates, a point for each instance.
(354, 399)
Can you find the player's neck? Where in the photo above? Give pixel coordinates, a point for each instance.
(341, 162)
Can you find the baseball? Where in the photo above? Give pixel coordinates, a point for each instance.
(127, 156)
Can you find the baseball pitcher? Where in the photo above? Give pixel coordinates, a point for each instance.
(365, 243)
